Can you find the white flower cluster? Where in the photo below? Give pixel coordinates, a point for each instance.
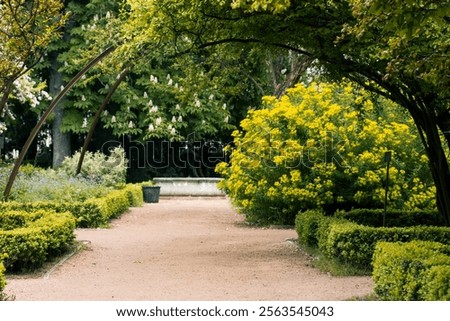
(3, 128)
(27, 90)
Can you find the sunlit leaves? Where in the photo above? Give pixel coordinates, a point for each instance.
(411, 36)
(322, 146)
(26, 29)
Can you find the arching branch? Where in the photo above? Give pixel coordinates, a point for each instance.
(99, 112)
(44, 117)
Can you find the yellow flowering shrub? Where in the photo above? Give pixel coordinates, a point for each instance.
(322, 146)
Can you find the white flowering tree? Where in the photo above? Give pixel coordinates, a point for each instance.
(25, 91)
(26, 29)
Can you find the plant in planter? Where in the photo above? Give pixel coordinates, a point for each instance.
(150, 192)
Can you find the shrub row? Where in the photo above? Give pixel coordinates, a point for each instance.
(412, 271)
(355, 243)
(93, 212)
(135, 195)
(397, 218)
(28, 239)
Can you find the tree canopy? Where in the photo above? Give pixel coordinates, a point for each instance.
(398, 49)
(26, 30)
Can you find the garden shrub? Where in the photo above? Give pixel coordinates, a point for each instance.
(355, 244)
(322, 147)
(397, 218)
(111, 205)
(35, 184)
(307, 225)
(412, 271)
(98, 167)
(436, 284)
(135, 195)
(86, 214)
(59, 230)
(93, 212)
(31, 238)
(2, 277)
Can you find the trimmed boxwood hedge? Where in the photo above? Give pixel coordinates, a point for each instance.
(94, 212)
(307, 225)
(394, 218)
(28, 239)
(355, 243)
(135, 195)
(416, 270)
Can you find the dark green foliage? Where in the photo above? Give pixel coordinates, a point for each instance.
(412, 271)
(354, 243)
(306, 225)
(398, 218)
(36, 237)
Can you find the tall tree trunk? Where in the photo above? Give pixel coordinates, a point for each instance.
(61, 141)
(430, 134)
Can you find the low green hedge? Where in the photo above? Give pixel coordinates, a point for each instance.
(28, 239)
(412, 271)
(135, 195)
(87, 213)
(394, 218)
(91, 213)
(313, 227)
(307, 225)
(2, 278)
(355, 243)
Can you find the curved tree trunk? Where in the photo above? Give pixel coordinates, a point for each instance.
(46, 114)
(427, 124)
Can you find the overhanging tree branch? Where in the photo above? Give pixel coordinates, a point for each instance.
(44, 117)
(99, 112)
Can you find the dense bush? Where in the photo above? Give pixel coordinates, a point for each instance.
(436, 285)
(307, 226)
(323, 146)
(111, 205)
(97, 167)
(353, 243)
(135, 195)
(412, 271)
(28, 239)
(93, 212)
(397, 218)
(35, 184)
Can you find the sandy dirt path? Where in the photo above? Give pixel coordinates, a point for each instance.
(186, 249)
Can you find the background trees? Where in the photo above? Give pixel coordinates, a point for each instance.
(378, 44)
(396, 49)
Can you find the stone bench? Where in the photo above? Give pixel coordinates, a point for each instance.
(188, 186)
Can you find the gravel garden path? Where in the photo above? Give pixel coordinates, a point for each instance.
(185, 249)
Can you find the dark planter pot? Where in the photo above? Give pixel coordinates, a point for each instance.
(151, 193)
